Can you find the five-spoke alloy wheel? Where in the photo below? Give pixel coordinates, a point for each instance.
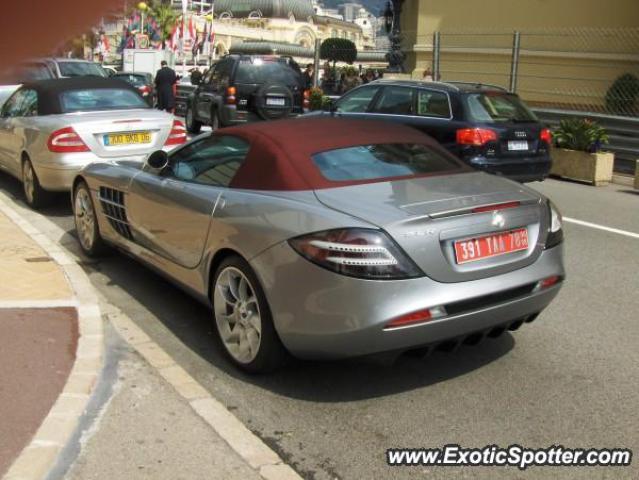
(86, 223)
(243, 319)
(35, 196)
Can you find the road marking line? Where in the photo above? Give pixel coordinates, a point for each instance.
(601, 227)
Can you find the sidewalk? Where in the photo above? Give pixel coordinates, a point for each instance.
(38, 328)
(85, 393)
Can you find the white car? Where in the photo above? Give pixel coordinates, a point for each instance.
(50, 129)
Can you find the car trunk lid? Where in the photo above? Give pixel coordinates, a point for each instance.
(122, 133)
(426, 216)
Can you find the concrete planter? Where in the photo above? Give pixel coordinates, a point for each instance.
(594, 168)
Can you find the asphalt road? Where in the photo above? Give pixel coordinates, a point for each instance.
(570, 378)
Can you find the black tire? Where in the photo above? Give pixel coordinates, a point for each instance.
(215, 120)
(35, 196)
(271, 354)
(192, 125)
(90, 240)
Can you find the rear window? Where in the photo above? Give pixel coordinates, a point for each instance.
(495, 108)
(259, 71)
(370, 162)
(100, 99)
(27, 72)
(135, 80)
(80, 69)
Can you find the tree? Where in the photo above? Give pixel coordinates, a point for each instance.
(622, 96)
(338, 50)
(166, 17)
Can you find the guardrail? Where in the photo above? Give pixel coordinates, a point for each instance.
(623, 133)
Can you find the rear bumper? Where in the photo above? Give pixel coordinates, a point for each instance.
(333, 316)
(57, 174)
(526, 169)
(230, 115)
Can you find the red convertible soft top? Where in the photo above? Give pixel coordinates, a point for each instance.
(280, 154)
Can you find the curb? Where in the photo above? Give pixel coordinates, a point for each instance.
(40, 455)
(245, 443)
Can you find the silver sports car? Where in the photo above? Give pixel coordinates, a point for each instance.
(50, 129)
(329, 238)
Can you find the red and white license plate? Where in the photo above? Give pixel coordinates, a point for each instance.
(473, 249)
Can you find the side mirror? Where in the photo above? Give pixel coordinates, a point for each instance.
(158, 160)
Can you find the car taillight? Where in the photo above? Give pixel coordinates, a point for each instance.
(230, 95)
(545, 136)
(177, 136)
(496, 206)
(476, 136)
(356, 252)
(547, 283)
(307, 99)
(66, 140)
(144, 90)
(419, 316)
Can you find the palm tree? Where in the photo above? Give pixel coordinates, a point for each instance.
(166, 17)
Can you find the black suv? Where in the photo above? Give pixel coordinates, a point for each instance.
(486, 126)
(245, 88)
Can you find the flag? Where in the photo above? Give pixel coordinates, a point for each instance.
(192, 34)
(103, 45)
(174, 39)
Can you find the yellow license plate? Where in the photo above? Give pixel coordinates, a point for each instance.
(115, 139)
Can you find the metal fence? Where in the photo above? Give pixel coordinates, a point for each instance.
(584, 69)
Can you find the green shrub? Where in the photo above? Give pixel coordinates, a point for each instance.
(316, 99)
(338, 50)
(580, 134)
(622, 96)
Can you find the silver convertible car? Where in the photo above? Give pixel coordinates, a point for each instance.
(50, 129)
(329, 238)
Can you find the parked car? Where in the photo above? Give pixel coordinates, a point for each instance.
(6, 91)
(247, 88)
(367, 238)
(142, 81)
(487, 127)
(109, 70)
(48, 68)
(50, 129)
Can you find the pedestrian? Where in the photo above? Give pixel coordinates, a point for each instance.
(370, 76)
(308, 76)
(350, 80)
(428, 75)
(340, 88)
(165, 79)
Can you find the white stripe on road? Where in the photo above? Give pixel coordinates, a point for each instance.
(601, 227)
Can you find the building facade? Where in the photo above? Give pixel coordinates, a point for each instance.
(571, 51)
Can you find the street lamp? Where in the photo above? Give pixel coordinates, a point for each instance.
(395, 56)
(142, 7)
(211, 52)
